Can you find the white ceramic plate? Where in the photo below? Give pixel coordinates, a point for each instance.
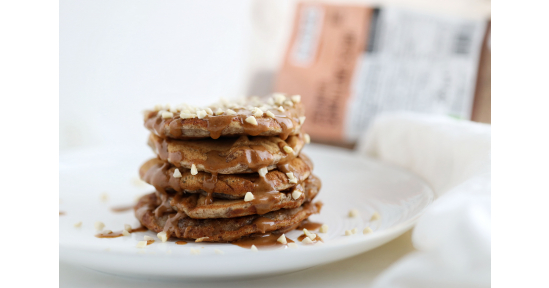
(348, 181)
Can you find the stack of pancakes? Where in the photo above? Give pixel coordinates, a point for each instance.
(228, 171)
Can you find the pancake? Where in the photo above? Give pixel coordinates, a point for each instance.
(224, 186)
(222, 122)
(244, 154)
(220, 230)
(194, 205)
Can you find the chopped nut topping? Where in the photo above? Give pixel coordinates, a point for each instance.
(288, 149)
(296, 194)
(217, 251)
(375, 216)
(209, 111)
(280, 108)
(167, 115)
(162, 236)
(158, 107)
(230, 112)
(296, 98)
(188, 115)
(309, 234)
(258, 112)
(195, 251)
(128, 227)
(292, 245)
(263, 171)
(125, 232)
(141, 244)
(279, 98)
(200, 239)
(253, 248)
(249, 197)
(289, 103)
(348, 232)
(251, 120)
(270, 101)
(270, 114)
(307, 240)
(302, 120)
(291, 177)
(99, 225)
(282, 239)
(78, 224)
(194, 171)
(218, 112)
(355, 230)
(201, 114)
(176, 173)
(353, 213)
(307, 138)
(367, 230)
(147, 238)
(323, 229)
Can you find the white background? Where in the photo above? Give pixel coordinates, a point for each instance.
(118, 58)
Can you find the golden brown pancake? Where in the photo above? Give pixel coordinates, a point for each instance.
(285, 121)
(225, 186)
(177, 225)
(244, 154)
(194, 205)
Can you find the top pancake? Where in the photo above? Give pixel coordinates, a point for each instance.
(277, 116)
(245, 154)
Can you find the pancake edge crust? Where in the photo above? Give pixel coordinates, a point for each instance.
(221, 230)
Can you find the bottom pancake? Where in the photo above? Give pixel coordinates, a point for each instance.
(179, 225)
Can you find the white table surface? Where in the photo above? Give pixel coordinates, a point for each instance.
(353, 272)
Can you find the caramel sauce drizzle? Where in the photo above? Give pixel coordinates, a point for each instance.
(119, 233)
(180, 242)
(256, 157)
(311, 226)
(215, 125)
(260, 241)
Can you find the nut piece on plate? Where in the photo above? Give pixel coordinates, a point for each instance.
(323, 229)
(353, 213)
(99, 225)
(282, 239)
(162, 236)
(307, 240)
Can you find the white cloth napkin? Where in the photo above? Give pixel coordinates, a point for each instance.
(453, 237)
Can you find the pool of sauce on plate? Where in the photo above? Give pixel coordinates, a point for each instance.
(180, 242)
(116, 234)
(260, 241)
(61, 213)
(317, 238)
(122, 208)
(311, 226)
